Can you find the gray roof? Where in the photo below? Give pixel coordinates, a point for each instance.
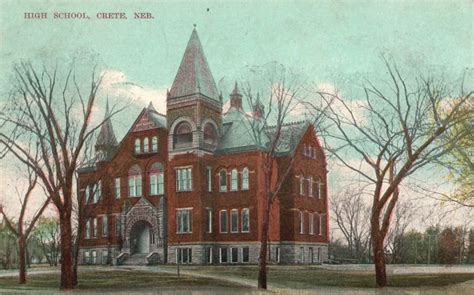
(106, 135)
(194, 75)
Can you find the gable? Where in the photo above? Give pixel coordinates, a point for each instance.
(144, 123)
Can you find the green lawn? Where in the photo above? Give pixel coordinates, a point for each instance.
(303, 277)
(118, 280)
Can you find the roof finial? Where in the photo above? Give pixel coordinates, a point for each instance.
(194, 25)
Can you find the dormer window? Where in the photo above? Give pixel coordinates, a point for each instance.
(183, 136)
(154, 144)
(146, 145)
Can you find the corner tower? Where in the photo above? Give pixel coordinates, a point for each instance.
(194, 106)
(106, 143)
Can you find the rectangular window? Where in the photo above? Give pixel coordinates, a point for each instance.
(311, 255)
(234, 255)
(105, 226)
(234, 180)
(135, 186)
(94, 257)
(245, 179)
(302, 254)
(209, 255)
(97, 191)
(154, 184)
(88, 230)
(105, 256)
(223, 180)
(87, 257)
(223, 221)
(317, 225)
(234, 221)
(301, 222)
(131, 186)
(88, 195)
(94, 228)
(245, 254)
(245, 220)
(184, 221)
(185, 255)
(277, 254)
(161, 184)
(311, 223)
(310, 186)
(223, 255)
(209, 179)
(118, 226)
(184, 180)
(318, 257)
(117, 188)
(209, 220)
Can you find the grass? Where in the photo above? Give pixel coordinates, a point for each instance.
(303, 277)
(120, 281)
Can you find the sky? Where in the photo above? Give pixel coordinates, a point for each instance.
(333, 42)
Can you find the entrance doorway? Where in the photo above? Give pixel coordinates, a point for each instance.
(141, 238)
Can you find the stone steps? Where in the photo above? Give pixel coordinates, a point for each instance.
(135, 259)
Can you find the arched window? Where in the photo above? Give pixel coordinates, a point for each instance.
(146, 146)
(310, 186)
(245, 179)
(137, 146)
(154, 144)
(318, 187)
(183, 136)
(157, 179)
(245, 220)
(223, 180)
(234, 180)
(302, 185)
(135, 181)
(210, 135)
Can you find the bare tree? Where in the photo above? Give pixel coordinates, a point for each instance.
(22, 228)
(397, 133)
(351, 214)
(53, 107)
(48, 237)
(283, 91)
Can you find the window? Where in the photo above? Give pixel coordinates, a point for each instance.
(277, 254)
(154, 144)
(310, 186)
(234, 255)
(311, 255)
(105, 256)
(301, 222)
(185, 255)
(223, 180)
(105, 226)
(209, 220)
(318, 188)
(305, 150)
(318, 255)
(94, 257)
(210, 135)
(234, 180)
(88, 229)
(322, 225)
(223, 221)
(135, 181)
(209, 255)
(245, 254)
(245, 179)
(146, 145)
(302, 185)
(234, 221)
(184, 221)
(301, 254)
(245, 220)
(317, 226)
(183, 136)
(97, 191)
(88, 194)
(117, 188)
(94, 228)
(118, 226)
(209, 179)
(137, 146)
(184, 180)
(311, 223)
(156, 179)
(223, 255)
(87, 257)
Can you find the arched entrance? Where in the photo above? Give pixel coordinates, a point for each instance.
(141, 236)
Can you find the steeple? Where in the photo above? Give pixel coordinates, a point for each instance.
(106, 141)
(194, 75)
(258, 108)
(236, 97)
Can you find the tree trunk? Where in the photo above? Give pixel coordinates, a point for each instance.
(66, 251)
(22, 259)
(262, 261)
(77, 242)
(379, 256)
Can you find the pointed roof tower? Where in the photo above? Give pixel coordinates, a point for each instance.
(106, 141)
(258, 109)
(236, 97)
(194, 75)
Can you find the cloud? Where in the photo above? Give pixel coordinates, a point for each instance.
(116, 84)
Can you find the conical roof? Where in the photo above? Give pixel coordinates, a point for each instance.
(106, 135)
(194, 75)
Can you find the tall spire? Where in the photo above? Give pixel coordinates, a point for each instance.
(258, 108)
(194, 75)
(106, 141)
(236, 97)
